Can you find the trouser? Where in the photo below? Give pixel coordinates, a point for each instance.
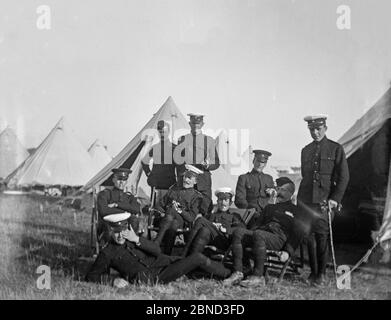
(183, 266)
(202, 234)
(168, 228)
(259, 241)
(317, 242)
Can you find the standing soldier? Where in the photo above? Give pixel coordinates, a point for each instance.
(116, 201)
(198, 150)
(254, 189)
(162, 175)
(325, 177)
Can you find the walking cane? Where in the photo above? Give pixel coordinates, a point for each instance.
(332, 244)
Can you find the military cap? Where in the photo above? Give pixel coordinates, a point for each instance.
(196, 118)
(283, 180)
(121, 173)
(316, 120)
(192, 170)
(224, 192)
(117, 221)
(262, 155)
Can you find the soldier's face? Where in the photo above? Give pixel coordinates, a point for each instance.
(284, 193)
(119, 183)
(223, 203)
(318, 133)
(189, 181)
(118, 237)
(258, 165)
(163, 132)
(196, 127)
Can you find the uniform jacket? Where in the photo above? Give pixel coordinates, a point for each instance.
(327, 179)
(251, 190)
(126, 202)
(133, 262)
(189, 199)
(194, 149)
(284, 219)
(229, 220)
(162, 175)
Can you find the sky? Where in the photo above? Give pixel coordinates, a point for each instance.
(260, 65)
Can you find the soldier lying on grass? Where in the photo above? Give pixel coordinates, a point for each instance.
(138, 259)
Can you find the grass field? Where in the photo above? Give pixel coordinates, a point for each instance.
(31, 237)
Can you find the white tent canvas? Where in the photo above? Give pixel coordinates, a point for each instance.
(367, 147)
(59, 160)
(100, 156)
(132, 154)
(12, 152)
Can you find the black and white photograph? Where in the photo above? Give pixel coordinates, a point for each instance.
(214, 152)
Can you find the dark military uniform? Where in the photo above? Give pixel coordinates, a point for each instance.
(325, 176)
(205, 232)
(193, 150)
(276, 228)
(145, 263)
(190, 201)
(162, 175)
(251, 190)
(126, 202)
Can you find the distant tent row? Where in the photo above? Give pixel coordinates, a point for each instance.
(59, 160)
(367, 201)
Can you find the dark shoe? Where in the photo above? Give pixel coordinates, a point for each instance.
(253, 281)
(234, 278)
(320, 280)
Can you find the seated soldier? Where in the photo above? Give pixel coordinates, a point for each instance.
(139, 259)
(215, 228)
(276, 228)
(181, 205)
(116, 201)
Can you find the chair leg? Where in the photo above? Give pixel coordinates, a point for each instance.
(282, 273)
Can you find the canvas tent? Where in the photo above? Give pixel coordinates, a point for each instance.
(12, 152)
(100, 156)
(59, 160)
(368, 145)
(132, 154)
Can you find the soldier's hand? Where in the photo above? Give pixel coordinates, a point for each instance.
(271, 192)
(130, 235)
(205, 163)
(113, 205)
(332, 204)
(120, 283)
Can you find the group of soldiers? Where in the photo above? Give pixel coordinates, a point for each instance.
(184, 202)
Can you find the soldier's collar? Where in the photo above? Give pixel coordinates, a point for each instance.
(321, 141)
(255, 171)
